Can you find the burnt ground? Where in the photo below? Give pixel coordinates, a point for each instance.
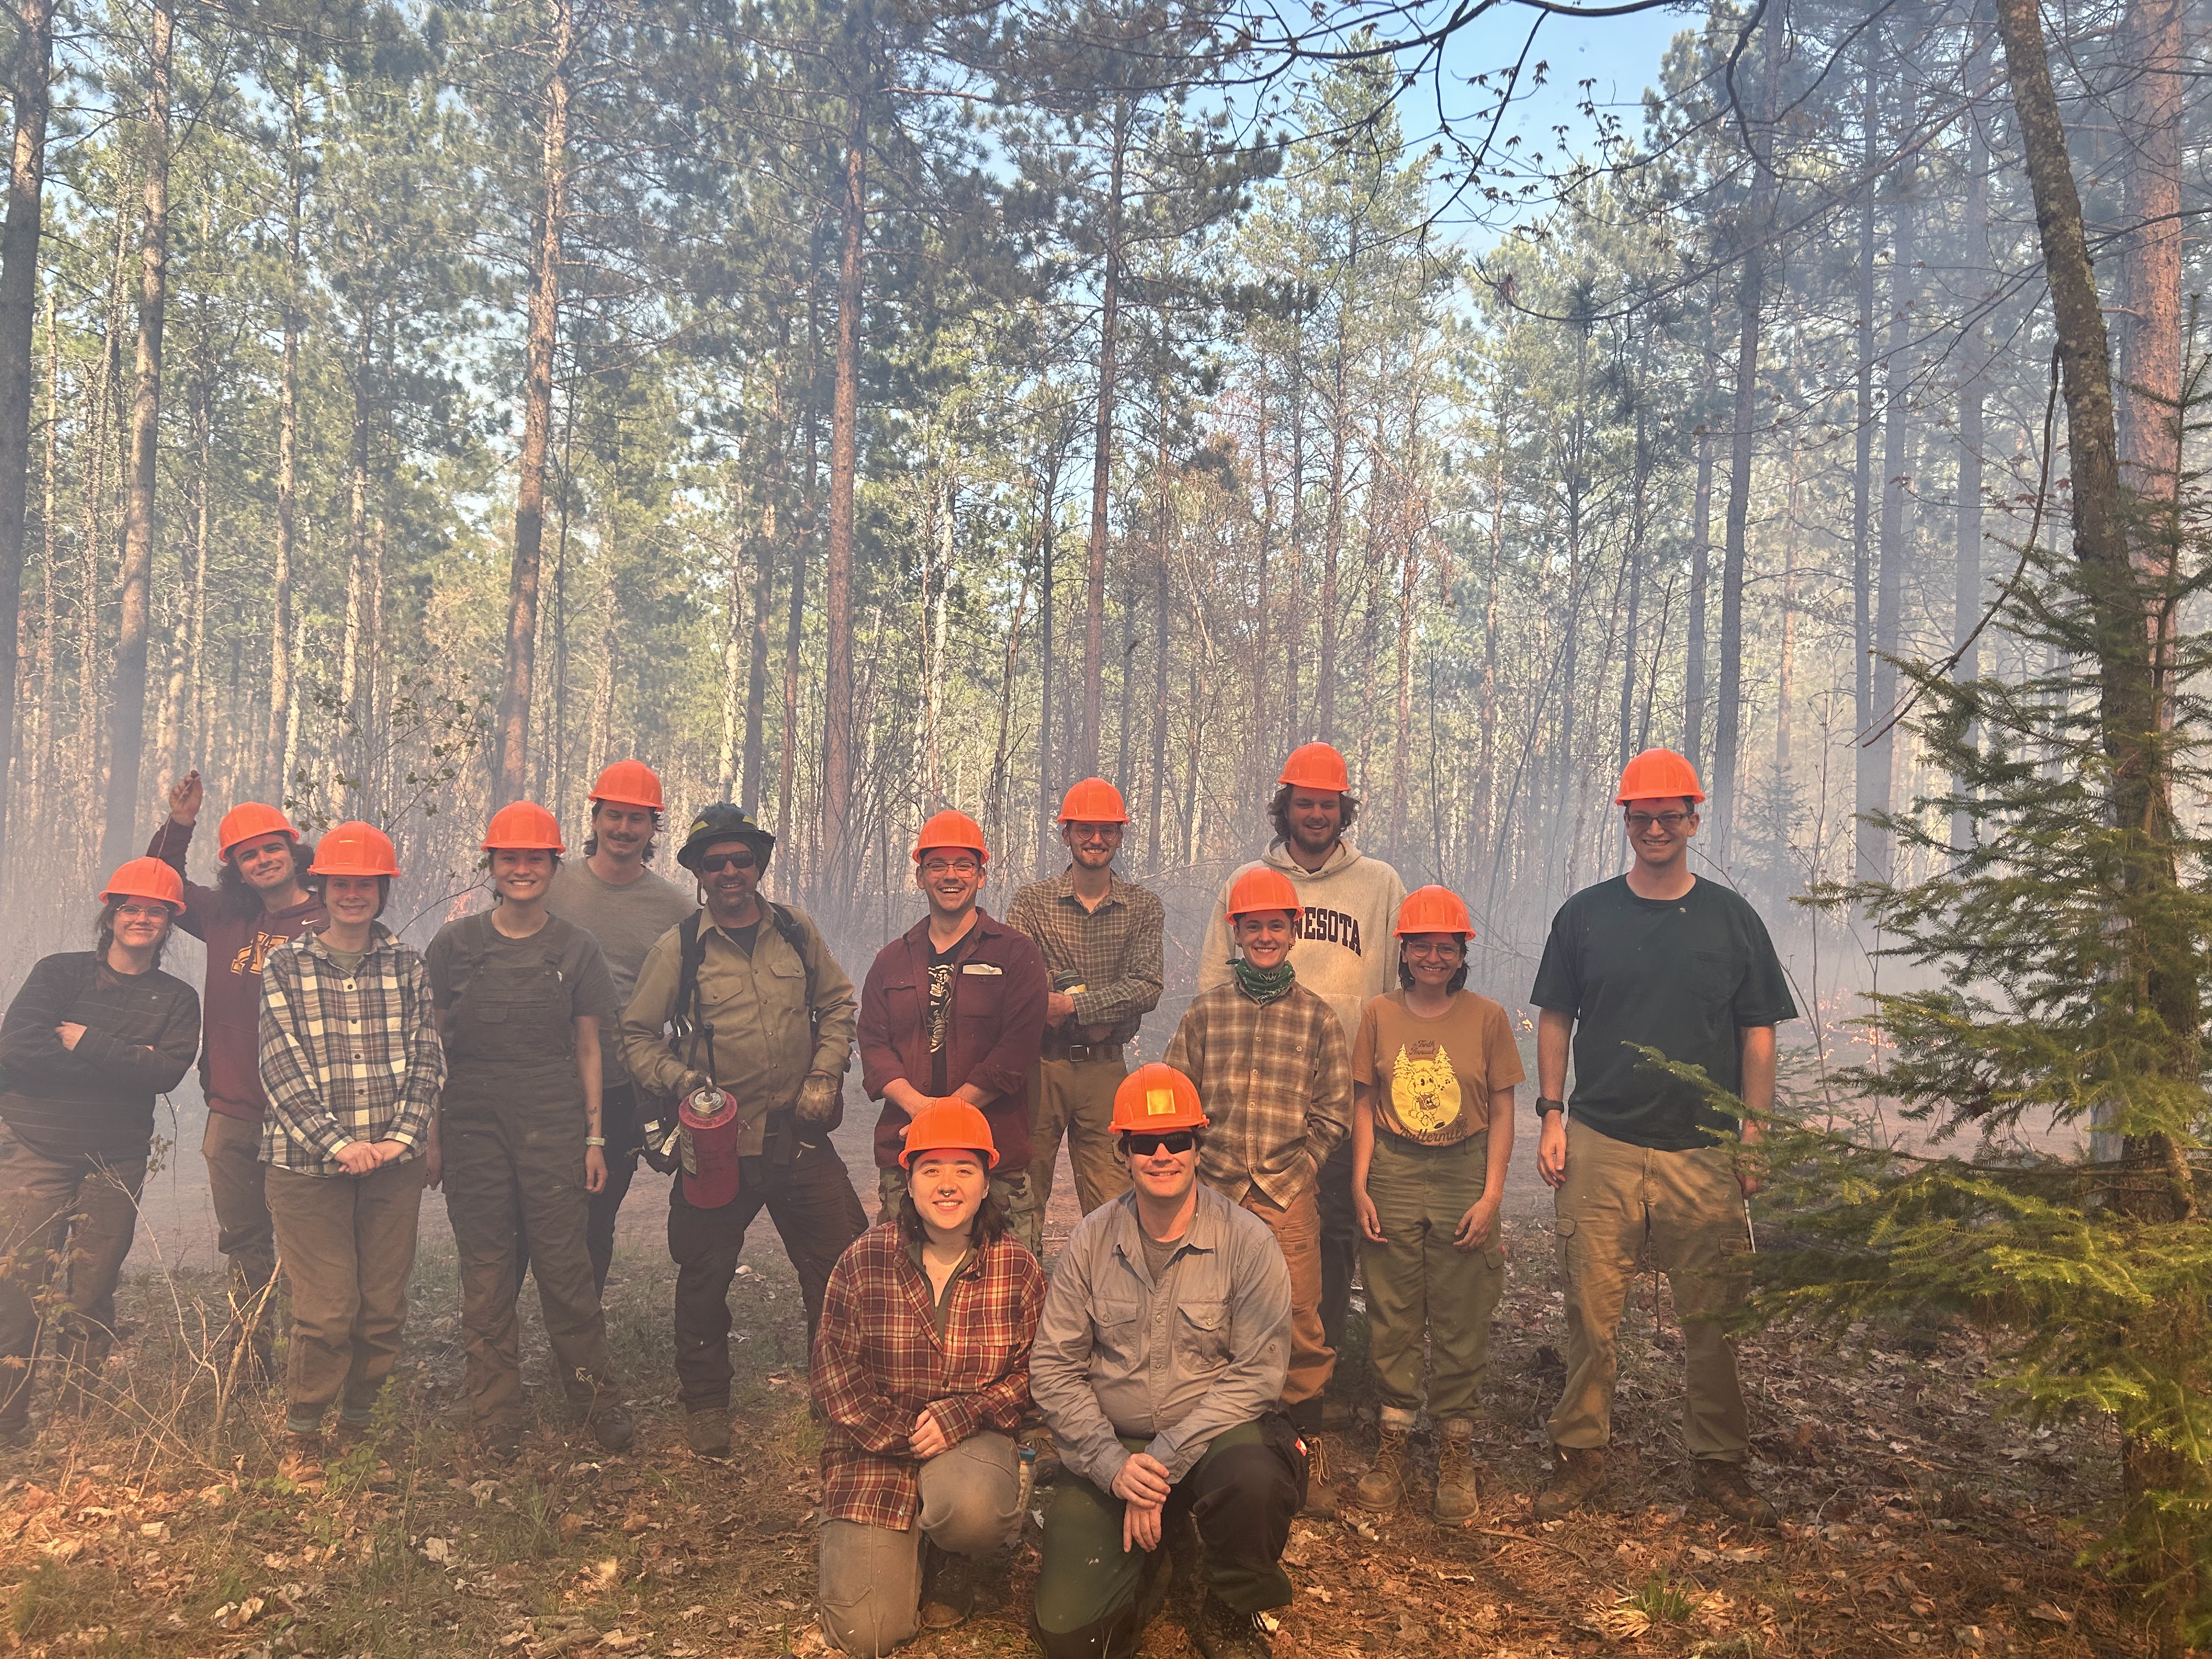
(1918, 1517)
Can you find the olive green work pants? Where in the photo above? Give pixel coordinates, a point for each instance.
(1420, 1284)
(1075, 1101)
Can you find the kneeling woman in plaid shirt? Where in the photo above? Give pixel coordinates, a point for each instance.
(351, 1060)
(922, 1368)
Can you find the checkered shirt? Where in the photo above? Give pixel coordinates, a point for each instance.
(879, 1363)
(345, 1056)
(1115, 949)
(1276, 1084)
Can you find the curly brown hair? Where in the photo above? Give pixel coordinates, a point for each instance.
(1278, 813)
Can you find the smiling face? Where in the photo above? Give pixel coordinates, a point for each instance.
(140, 924)
(353, 901)
(1659, 831)
(266, 863)
(1316, 817)
(1159, 1173)
(948, 1186)
(521, 874)
(623, 830)
(1092, 845)
(1433, 958)
(730, 875)
(950, 878)
(1265, 936)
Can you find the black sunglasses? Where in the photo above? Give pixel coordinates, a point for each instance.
(714, 863)
(1177, 1141)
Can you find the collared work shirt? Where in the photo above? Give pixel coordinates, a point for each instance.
(884, 1355)
(346, 1055)
(1276, 1084)
(1176, 1360)
(1112, 951)
(766, 1038)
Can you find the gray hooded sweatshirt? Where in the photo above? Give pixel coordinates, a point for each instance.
(1347, 950)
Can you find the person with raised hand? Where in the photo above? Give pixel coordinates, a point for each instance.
(352, 1065)
(521, 997)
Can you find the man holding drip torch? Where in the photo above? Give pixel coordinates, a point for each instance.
(745, 997)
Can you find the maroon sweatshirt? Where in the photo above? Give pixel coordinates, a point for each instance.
(230, 1010)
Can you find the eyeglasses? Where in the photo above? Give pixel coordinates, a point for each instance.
(1451, 950)
(142, 913)
(1177, 1141)
(714, 863)
(952, 867)
(1670, 822)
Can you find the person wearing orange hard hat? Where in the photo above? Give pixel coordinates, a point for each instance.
(351, 1060)
(1159, 1366)
(1433, 1071)
(1271, 1064)
(1660, 959)
(1101, 937)
(611, 895)
(523, 997)
(956, 1005)
(259, 901)
(1344, 954)
(90, 1039)
(921, 1375)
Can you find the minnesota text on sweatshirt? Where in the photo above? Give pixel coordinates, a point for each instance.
(1344, 952)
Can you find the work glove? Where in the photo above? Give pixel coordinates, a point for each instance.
(818, 1097)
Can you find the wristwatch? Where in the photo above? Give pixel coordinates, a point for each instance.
(1545, 1107)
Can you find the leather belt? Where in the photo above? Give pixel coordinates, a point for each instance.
(1082, 1053)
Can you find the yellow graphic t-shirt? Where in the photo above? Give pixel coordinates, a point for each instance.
(1433, 1077)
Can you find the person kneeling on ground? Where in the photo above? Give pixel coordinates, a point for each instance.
(921, 1367)
(1158, 1368)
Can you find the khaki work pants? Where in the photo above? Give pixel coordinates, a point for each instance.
(1687, 1207)
(870, 1586)
(1297, 1231)
(244, 1232)
(78, 1214)
(1420, 1285)
(348, 1248)
(1076, 1101)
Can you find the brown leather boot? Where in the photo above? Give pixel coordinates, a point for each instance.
(1577, 1472)
(1457, 1500)
(1723, 1487)
(1384, 1483)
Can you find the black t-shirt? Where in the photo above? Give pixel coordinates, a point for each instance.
(940, 996)
(745, 938)
(1682, 975)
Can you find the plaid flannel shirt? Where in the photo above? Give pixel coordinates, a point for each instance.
(879, 1363)
(344, 1056)
(1276, 1084)
(1113, 950)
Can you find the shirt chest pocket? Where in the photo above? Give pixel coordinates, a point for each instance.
(1119, 1325)
(1201, 1332)
(1714, 977)
(978, 999)
(783, 988)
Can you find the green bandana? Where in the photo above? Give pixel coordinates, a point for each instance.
(1263, 985)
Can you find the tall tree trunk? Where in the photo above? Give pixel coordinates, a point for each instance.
(1638, 519)
(1867, 862)
(1339, 437)
(1293, 648)
(1877, 758)
(2146, 343)
(787, 774)
(1785, 673)
(353, 649)
(1161, 642)
(511, 778)
(127, 714)
(2141, 784)
(1045, 715)
(837, 753)
(287, 453)
(1694, 652)
(1102, 453)
(771, 532)
(19, 314)
(1966, 590)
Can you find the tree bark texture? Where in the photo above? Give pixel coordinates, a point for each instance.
(844, 464)
(1102, 453)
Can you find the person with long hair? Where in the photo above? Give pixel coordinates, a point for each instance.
(90, 1039)
(921, 1367)
(522, 996)
(260, 901)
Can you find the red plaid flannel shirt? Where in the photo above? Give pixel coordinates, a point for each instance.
(878, 1365)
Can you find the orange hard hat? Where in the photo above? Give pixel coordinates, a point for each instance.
(1263, 887)
(1655, 775)
(628, 783)
(1157, 1097)
(250, 819)
(1317, 765)
(1093, 800)
(355, 848)
(949, 1123)
(950, 828)
(1434, 910)
(145, 878)
(522, 826)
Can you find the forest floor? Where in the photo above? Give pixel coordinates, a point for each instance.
(1918, 1519)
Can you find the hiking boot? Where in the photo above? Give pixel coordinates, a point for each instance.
(948, 1588)
(1323, 1455)
(499, 1441)
(1723, 1486)
(707, 1432)
(1384, 1483)
(1577, 1472)
(302, 1461)
(1457, 1500)
(351, 1432)
(611, 1428)
(1222, 1634)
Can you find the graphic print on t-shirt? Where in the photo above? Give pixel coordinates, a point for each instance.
(1424, 1092)
(251, 958)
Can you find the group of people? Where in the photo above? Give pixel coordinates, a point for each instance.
(1333, 1100)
